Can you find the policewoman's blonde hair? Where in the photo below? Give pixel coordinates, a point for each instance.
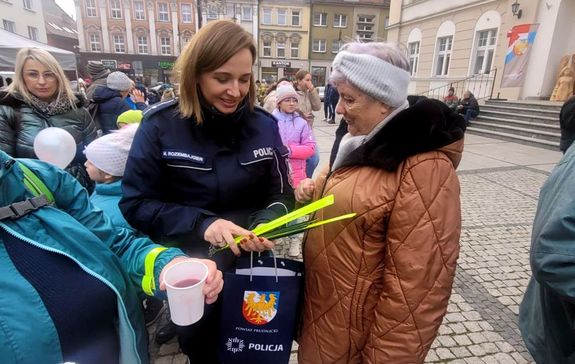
(209, 49)
(18, 86)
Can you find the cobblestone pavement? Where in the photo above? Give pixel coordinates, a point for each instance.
(498, 206)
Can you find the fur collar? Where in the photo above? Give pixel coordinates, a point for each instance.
(426, 125)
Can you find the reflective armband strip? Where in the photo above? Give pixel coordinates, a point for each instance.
(148, 281)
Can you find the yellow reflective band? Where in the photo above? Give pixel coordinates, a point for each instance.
(148, 281)
(271, 225)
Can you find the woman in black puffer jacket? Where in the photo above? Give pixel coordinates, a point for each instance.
(40, 97)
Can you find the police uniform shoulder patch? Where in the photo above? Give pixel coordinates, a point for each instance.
(163, 105)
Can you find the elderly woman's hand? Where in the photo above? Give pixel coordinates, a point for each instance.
(222, 232)
(214, 281)
(304, 191)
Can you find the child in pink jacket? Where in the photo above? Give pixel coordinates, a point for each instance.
(294, 130)
(298, 137)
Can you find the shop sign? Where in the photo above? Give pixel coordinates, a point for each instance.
(281, 64)
(166, 65)
(110, 63)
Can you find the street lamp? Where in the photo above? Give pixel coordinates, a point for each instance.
(515, 9)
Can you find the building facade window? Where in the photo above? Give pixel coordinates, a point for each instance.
(165, 46)
(231, 10)
(186, 13)
(294, 50)
(295, 18)
(413, 48)
(336, 45)
(484, 50)
(119, 45)
(340, 21)
(212, 12)
(33, 33)
(28, 5)
(365, 19)
(95, 45)
(282, 16)
(247, 14)
(139, 12)
(267, 48)
(366, 37)
(267, 16)
(91, 8)
(163, 12)
(365, 27)
(142, 44)
(115, 9)
(443, 55)
(281, 50)
(318, 45)
(9, 25)
(320, 19)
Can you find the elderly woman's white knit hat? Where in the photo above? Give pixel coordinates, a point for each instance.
(109, 153)
(379, 79)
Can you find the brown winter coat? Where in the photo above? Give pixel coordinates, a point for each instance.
(377, 286)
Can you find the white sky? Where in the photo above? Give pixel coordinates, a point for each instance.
(68, 7)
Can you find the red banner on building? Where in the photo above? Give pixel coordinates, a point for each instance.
(521, 38)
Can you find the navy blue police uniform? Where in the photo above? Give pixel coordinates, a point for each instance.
(181, 176)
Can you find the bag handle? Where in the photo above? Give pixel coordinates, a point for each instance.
(252, 265)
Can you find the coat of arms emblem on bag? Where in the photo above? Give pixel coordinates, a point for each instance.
(260, 307)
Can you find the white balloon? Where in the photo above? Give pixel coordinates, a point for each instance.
(56, 146)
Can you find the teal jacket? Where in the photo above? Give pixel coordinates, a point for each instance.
(106, 196)
(78, 230)
(547, 313)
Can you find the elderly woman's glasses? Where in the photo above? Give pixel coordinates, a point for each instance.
(47, 76)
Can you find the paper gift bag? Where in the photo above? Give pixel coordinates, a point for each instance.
(261, 300)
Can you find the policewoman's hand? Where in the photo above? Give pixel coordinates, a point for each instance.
(214, 281)
(222, 232)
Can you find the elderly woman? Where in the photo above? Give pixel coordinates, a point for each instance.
(41, 97)
(377, 286)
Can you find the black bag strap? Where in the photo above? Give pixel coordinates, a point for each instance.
(19, 209)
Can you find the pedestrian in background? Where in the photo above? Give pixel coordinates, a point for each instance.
(71, 279)
(98, 73)
(298, 138)
(377, 286)
(468, 106)
(111, 100)
(547, 312)
(40, 97)
(105, 162)
(332, 101)
(326, 91)
(308, 102)
(129, 117)
(451, 99)
(208, 166)
(270, 99)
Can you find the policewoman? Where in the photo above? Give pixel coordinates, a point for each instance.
(208, 166)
